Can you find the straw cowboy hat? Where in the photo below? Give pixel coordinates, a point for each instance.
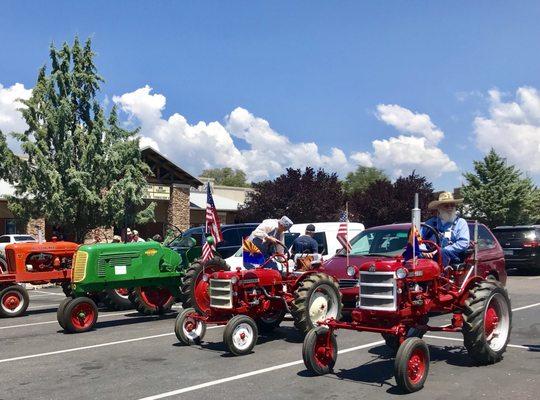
(444, 198)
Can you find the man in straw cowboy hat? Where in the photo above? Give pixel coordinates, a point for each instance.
(454, 231)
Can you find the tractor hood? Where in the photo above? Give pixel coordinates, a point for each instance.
(259, 276)
(337, 265)
(33, 247)
(424, 270)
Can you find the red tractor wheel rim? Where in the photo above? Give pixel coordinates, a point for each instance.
(82, 315)
(201, 295)
(416, 366)
(156, 297)
(324, 350)
(122, 292)
(491, 320)
(11, 301)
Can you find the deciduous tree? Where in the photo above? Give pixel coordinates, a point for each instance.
(226, 176)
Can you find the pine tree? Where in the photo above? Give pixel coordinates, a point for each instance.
(80, 170)
(498, 194)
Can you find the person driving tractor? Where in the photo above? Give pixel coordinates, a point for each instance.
(268, 235)
(453, 230)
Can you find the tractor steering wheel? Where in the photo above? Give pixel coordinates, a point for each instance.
(281, 258)
(431, 245)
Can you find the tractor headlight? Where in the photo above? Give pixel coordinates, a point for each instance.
(205, 278)
(234, 280)
(352, 271)
(401, 273)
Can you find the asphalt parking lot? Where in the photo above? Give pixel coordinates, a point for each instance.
(136, 357)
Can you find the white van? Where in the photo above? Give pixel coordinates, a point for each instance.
(325, 235)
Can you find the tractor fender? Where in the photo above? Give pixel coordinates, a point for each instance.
(310, 272)
(466, 287)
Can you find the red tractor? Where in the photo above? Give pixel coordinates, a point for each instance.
(34, 263)
(396, 298)
(253, 301)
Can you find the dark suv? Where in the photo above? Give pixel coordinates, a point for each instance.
(521, 246)
(193, 239)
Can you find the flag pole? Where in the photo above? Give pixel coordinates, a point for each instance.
(347, 222)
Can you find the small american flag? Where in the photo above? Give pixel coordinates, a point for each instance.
(212, 226)
(342, 231)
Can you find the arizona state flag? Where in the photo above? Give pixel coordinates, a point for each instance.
(251, 253)
(412, 243)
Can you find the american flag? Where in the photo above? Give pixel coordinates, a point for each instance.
(212, 226)
(342, 231)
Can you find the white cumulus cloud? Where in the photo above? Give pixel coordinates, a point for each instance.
(512, 128)
(11, 119)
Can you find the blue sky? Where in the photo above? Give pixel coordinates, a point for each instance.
(316, 72)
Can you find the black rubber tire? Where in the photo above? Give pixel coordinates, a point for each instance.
(229, 330)
(3, 264)
(68, 324)
(179, 331)
(392, 341)
(66, 288)
(23, 294)
(474, 336)
(149, 309)
(309, 353)
(113, 300)
(303, 295)
(403, 355)
(267, 326)
(60, 311)
(192, 276)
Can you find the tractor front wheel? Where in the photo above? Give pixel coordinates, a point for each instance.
(117, 299)
(240, 335)
(14, 301)
(152, 300)
(487, 322)
(80, 315)
(319, 351)
(187, 329)
(60, 311)
(412, 365)
(316, 299)
(194, 290)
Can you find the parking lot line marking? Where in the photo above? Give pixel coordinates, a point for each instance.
(94, 346)
(516, 346)
(248, 374)
(50, 293)
(525, 307)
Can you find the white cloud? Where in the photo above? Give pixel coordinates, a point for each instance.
(208, 145)
(512, 128)
(6, 189)
(406, 121)
(11, 119)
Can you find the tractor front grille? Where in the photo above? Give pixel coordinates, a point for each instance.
(80, 260)
(221, 293)
(377, 291)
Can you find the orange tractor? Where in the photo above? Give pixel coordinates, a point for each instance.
(34, 263)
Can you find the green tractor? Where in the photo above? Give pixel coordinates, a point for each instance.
(152, 271)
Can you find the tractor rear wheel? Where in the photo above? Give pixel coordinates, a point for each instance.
(14, 301)
(412, 364)
(271, 320)
(319, 351)
(3, 264)
(194, 290)
(316, 299)
(117, 299)
(60, 311)
(240, 335)
(80, 315)
(487, 322)
(187, 329)
(151, 300)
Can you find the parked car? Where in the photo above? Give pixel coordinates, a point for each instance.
(193, 238)
(325, 235)
(9, 239)
(390, 241)
(521, 246)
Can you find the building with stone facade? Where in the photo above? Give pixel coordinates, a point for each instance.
(180, 200)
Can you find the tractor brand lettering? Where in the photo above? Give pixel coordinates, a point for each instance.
(372, 268)
(247, 281)
(412, 274)
(150, 252)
